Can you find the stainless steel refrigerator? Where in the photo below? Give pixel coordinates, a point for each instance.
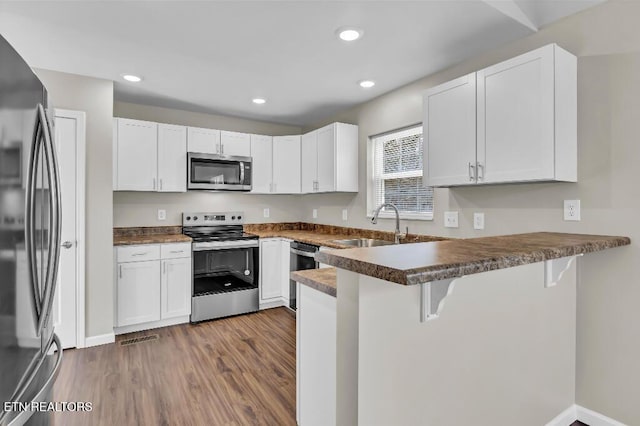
(30, 352)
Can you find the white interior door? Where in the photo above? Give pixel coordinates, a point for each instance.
(69, 140)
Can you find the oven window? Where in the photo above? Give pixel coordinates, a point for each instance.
(220, 271)
(215, 172)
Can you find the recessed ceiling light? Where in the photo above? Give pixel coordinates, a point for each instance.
(367, 84)
(349, 33)
(132, 78)
(259, 101)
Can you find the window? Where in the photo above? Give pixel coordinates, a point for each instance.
(397, 175)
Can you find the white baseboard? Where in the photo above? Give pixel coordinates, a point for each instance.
(274, 303)
(101, 339)
(589, 417)
(593, 418)
(565, 418)
(151, 325)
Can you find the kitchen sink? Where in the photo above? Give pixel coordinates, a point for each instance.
(363, 242)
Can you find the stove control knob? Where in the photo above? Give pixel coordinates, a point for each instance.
(239, 217)
(233, 218)
(188, 217)
(195, 218)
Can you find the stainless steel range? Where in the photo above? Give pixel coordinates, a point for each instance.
(225, 265)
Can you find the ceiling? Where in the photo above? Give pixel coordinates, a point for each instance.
(215, 56)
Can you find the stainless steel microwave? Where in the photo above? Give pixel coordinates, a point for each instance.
(214, 172)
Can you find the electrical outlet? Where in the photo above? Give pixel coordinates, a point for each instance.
(265, 212)
(315, 213)
(450, 219)
(478, 221)
(345, 214)
(572, 210)
(162, 214)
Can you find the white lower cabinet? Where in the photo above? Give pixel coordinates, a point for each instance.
(175, 288)
(153, 286)
(315, 357)
(274, 272)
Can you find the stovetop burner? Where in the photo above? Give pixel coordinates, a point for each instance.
(218, 226)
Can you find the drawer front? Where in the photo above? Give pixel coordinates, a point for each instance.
(138, 253)
(175, 251)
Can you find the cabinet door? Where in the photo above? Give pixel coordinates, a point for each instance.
(327, 159)
(235, 144)
(449, 133)
(262, 166)
(270, 269)
(309, 162)
(202, 140)
(516, 119)
(172, 158)
(175, 294)
(138, 292)
(137, 154)
(286, 164)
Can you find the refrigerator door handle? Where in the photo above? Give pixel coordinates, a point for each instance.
(42, 394)
(54, 221)
(30, 220)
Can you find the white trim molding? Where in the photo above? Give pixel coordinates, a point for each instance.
(589, 417)
(101, 339)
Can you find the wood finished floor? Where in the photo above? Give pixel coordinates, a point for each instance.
(234, 371)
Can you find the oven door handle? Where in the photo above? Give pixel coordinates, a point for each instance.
(224, 247)
(303, 253)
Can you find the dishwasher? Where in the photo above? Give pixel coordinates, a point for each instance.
(302, 257)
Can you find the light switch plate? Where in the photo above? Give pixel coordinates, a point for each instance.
(572, 210)
(478, 221)
(162, 214)
(450, 219)
(315, 213)
(345, 214)
(265, 213)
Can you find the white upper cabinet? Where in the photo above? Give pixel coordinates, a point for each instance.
(525, 117)
(136, 142)
(172, 158)
(235, 144)
(309, 162)
(449, 132)
(203, 140)
(262, 164)
(330, 159)
(286, 164)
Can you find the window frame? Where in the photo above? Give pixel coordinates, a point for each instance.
(371, 178)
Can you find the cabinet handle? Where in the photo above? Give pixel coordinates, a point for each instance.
(120, 271)
(154, 184)
(139, 254)
(176, 251)
(160, 184)
(221, 149)
(472, 172)
(164, 268)
(480, 167)
(275, 187)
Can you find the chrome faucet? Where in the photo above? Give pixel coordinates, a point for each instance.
(397, 234)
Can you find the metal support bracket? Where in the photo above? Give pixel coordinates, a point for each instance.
(555, 268)
(432, 295)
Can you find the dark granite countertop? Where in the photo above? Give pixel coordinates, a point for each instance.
(149, 235)
(323, 279)
(418, 263)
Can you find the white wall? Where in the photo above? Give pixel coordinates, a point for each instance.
(606, 39)
(95, 97)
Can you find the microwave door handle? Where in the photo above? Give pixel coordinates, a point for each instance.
(53, 244)
(241, 172)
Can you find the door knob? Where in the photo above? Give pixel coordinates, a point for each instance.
(67, 244)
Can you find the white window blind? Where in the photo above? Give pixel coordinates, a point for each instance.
(397, 174)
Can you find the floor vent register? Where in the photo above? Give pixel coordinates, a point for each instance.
(141, 339)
